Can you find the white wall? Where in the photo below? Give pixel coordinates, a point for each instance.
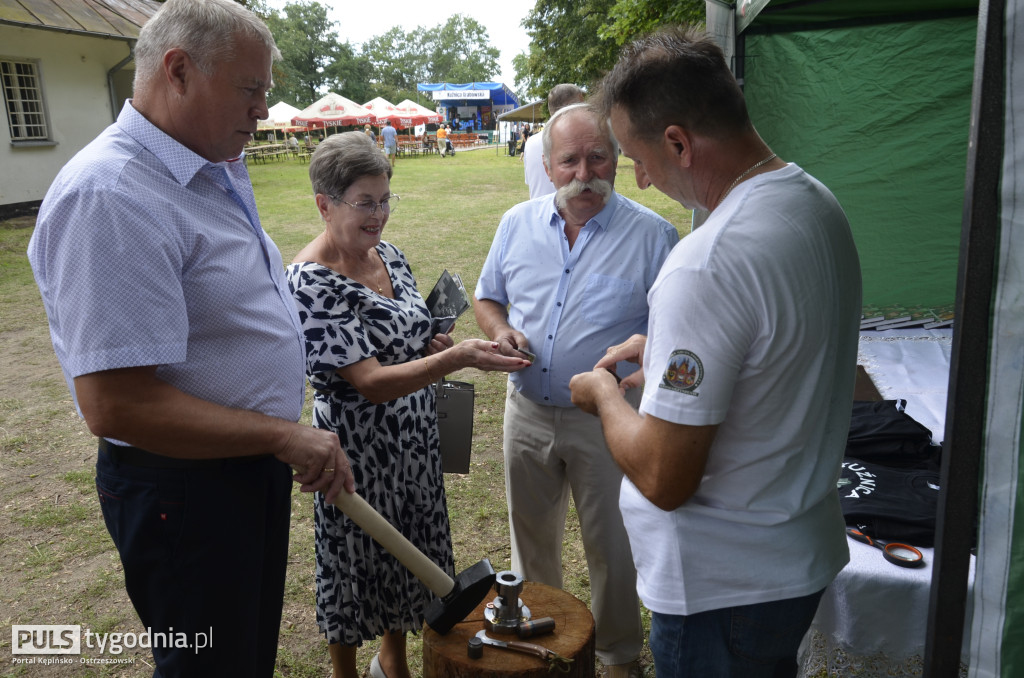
(73, 71)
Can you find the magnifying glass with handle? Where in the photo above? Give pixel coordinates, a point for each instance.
(903, 555)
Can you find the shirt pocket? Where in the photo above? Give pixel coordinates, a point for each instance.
(606, 300)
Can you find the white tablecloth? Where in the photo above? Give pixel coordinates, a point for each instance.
(873, 618)
(913, 365)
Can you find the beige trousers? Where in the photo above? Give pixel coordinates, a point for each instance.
(548, 452)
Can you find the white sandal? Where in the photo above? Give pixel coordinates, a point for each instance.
(375, 668)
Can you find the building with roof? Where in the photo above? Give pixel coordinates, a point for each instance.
(66, 68)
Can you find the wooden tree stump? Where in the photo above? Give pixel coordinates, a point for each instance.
(446, 657)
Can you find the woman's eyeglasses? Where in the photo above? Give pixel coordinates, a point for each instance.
(370, 206)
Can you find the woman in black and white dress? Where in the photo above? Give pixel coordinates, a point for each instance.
(372, 361)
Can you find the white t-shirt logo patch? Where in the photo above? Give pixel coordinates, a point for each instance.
(683, 374)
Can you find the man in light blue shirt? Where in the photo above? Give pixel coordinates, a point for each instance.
(181, 345)
(390, 136)
(566, 277)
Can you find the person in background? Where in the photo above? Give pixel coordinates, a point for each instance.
(537, 178)
(448, 140)
(173, 324)
(292, 143)
(442, 140)
(373, 363)
(566, 276)
(390, 136)
(748, 364)
(368, 131)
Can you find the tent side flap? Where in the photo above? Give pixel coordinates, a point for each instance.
(880, 115)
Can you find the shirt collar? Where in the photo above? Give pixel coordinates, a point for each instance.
(181, 162)
(602, 219)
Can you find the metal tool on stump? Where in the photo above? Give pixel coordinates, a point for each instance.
(455, 598)
(506, 611)
(461, 653)
(555, 660)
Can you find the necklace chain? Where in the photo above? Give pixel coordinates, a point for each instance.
(745, 173)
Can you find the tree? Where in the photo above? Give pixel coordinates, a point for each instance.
(525, 81)
(350, 74)
(565, 45)
(309, 46)
(578, 41)
(259, 7)
(397, 60)
(460, 51)
(629, 19)
(457, 51)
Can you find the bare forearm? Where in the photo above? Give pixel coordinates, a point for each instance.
(667, 470)
(136, 407)
(664, 460)
(381, 384)
(492, 317)
(621, 425)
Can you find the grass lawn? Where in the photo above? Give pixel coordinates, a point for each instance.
(57, 565)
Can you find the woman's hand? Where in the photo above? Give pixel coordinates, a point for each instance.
(440, 342)
(487, 356)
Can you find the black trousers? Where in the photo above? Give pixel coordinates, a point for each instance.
(204, 551)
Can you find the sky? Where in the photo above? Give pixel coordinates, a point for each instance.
(359, 23)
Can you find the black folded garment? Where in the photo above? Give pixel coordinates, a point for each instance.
(883, 433)
(893, 504)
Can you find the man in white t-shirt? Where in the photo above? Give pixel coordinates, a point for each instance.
(537, 179)
(729, 496)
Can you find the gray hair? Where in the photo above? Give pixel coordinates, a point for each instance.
(562, 95)
(600, 121)
(342, 159)
(206, 29)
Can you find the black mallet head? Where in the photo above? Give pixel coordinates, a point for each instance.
(471, 586)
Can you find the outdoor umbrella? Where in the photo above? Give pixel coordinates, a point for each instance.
(333, 110)
(382, 110)
(280, 119)
(418, 114)
(385, 110)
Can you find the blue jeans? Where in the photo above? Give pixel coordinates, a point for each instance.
(747, 641)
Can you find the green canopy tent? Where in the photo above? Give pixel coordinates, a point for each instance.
(873, 98)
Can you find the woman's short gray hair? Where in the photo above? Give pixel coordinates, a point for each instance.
(206, 29)
(340, 160)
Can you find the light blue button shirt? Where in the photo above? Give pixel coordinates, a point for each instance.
(147, 254)
(390, 136)
(572, 304)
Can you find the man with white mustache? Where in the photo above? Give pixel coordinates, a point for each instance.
(566, 277)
